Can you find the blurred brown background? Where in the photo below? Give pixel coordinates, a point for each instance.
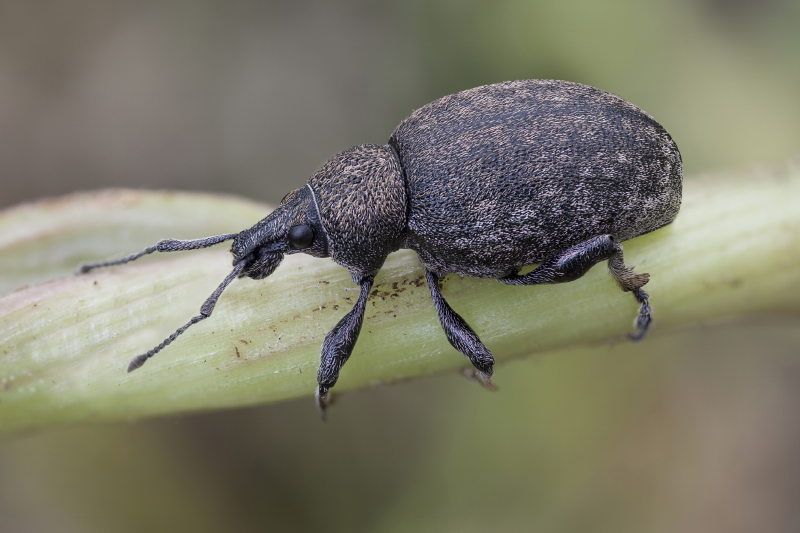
(689, 431)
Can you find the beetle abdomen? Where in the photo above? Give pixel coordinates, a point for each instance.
(510, 174)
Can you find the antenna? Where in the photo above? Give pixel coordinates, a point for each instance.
(205, 312)
(165, 245)
(175, 245)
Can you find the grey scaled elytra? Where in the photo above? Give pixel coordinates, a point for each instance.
(478, 183)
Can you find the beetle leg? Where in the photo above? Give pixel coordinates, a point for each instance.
(574, 262)
(338, 345)
(461, 335)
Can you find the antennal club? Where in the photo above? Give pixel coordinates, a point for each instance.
(205, 312)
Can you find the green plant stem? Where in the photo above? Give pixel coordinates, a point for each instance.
(65, 344)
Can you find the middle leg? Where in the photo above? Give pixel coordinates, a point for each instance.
(461, 335)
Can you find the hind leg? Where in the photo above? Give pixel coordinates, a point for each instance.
(574, 262)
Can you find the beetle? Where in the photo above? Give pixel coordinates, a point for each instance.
(479, 183)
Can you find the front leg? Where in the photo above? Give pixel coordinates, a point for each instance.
(461, 335)
(338, 345)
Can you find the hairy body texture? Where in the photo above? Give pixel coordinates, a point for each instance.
(531, 167)
(478, 183)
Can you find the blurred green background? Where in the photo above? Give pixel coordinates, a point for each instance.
(689, 431)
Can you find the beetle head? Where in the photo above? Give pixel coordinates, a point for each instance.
(293, 227)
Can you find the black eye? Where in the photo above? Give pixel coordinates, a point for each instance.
(301, 236)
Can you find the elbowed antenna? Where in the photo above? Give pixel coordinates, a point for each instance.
(205, 312)
(166, 245)
(175, 245)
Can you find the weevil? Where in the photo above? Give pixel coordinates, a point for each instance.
(479, 183)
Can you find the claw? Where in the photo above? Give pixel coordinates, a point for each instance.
(481, 377)
(323, 401)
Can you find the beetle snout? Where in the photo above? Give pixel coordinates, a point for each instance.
(244, 246)
(237, 250)
(261, 263)
(248, 245)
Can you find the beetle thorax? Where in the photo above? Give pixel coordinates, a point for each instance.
(361, 198)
